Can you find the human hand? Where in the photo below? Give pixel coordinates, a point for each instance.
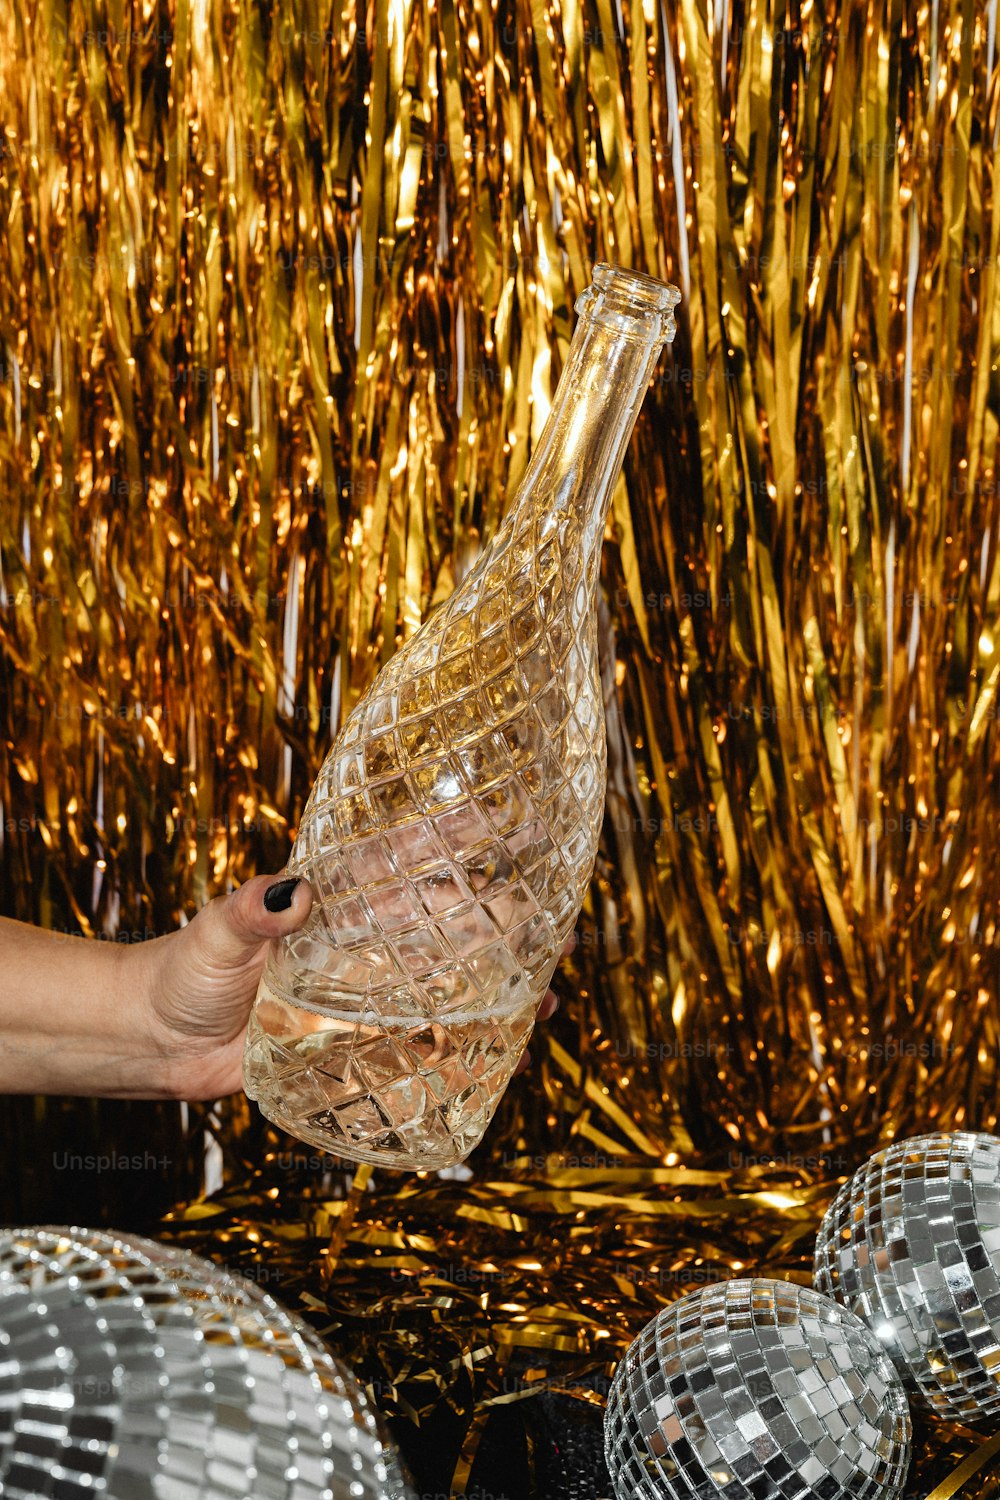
(201, 982)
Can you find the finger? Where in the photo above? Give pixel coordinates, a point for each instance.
(232, 928)
(569, 945)
(549, 1006)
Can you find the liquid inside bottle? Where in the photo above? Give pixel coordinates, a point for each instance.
(451, 834)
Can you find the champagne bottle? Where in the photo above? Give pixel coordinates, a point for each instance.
(451, 833)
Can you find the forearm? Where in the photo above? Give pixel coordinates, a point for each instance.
(73, 1018)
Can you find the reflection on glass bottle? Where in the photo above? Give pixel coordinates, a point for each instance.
(452, 831)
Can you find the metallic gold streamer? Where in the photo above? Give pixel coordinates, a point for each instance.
(966, 1470)
(344, 1222)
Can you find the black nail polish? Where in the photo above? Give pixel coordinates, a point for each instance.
(278, 897)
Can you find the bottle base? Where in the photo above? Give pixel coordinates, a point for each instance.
(335, 1146)
(409, 1096)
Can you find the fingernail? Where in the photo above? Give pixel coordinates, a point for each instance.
(278, 897)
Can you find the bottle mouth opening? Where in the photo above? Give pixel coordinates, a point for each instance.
(646, 292)
(636, 305)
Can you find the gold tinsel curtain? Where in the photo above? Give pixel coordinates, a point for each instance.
(284, 294)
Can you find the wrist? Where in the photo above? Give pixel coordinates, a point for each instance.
(160, 1051)
(130, 1059)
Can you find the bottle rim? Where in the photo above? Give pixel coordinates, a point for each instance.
(636, 306)
(647, 292)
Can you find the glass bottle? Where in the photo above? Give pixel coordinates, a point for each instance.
(451, 833)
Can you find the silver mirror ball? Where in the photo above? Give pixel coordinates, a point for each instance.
(756, 1390)
(912, 1245)
(138, 1372)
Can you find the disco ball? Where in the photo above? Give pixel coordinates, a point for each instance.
(144, 1373)
(912, 1245)
(756, 1390)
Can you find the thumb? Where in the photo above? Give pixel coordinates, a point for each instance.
(231, 929)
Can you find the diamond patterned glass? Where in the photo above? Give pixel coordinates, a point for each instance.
(912, 1245)
(756, 1390)
(452, 831)
(144, 1373)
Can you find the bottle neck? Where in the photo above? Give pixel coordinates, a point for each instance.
(574, 468)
